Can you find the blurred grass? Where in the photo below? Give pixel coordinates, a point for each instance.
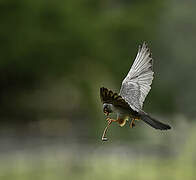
(154, 158)
(109, 167)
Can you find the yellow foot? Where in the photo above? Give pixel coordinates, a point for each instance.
(132, 123)
(112, 120)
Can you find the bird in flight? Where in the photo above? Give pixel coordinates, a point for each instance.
(134, 89)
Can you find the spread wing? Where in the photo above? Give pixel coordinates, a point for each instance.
(136, 84)
(107, 96)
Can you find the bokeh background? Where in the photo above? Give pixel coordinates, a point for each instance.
(54, 57)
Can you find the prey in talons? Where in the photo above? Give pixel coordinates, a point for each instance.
(107, 109)
(104, 138)
(120, 121)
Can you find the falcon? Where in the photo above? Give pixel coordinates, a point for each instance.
(134, 89)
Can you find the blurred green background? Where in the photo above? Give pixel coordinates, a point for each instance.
(55, 55)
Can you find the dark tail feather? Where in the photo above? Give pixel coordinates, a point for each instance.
(154, 123)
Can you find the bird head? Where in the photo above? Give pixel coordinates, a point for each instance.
(107, 109)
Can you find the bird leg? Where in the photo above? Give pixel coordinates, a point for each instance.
(132, 123)
(106, 128)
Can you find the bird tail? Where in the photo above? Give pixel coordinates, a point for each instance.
(154, 123)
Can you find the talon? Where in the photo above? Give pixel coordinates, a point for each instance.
(112, 120)
(132, 123)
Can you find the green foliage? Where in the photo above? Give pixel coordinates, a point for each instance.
(64, 51)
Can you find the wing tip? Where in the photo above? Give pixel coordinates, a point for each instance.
(147, 49)
(145, 46)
